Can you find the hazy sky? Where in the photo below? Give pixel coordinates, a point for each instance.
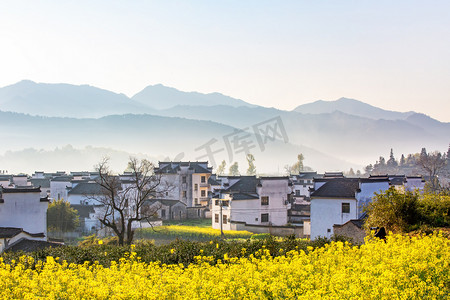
(392, 54)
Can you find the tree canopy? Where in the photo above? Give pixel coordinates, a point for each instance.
(61, 217)
(400, 211)
(234, 170)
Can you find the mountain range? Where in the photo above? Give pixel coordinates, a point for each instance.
(164, 122)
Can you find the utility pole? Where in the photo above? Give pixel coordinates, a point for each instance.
(221, 218)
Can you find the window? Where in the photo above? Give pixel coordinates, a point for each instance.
(345, 208)
(195, 187)
(203, 193)
(224, 203)
(297, 192)
(163, 213)
(216, 218)
(265, 200)
(183, 179)
(203, 179)
(224, 219)
(264, 218)
(184, 194)
(196, 201)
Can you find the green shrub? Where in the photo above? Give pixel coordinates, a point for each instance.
(177, 252)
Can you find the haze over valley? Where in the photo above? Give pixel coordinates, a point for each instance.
(39, 121)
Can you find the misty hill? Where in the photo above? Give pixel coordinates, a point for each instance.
(153, 136)
(162, 97)
(351, 107)
(65, 100)
(66, 158)
(350, 137)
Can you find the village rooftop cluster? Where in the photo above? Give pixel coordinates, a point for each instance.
(308, 204)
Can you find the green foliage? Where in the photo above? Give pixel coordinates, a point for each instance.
(176, 252)
(61, 217)
(434, 209)
(234, 169)
(405, 211)
(221, 168)
(251, 165)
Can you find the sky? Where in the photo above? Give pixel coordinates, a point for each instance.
(390, 54)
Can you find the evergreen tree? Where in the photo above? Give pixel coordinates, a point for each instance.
(391, 163)
(234, 170)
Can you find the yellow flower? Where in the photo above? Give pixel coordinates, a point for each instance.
(100, 242)
(172, 251)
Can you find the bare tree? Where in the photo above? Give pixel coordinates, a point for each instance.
(126, 201)
(432, 163)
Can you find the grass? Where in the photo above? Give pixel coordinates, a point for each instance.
(203, 223)
(196, 230)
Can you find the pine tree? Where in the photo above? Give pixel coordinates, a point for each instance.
(391, 163)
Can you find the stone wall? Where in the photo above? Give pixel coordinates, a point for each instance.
(350, 230)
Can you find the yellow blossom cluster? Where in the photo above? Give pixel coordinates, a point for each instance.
(192, 231)
(401, 268)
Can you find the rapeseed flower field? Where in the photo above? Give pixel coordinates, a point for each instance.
(401, 267)
(190, 232)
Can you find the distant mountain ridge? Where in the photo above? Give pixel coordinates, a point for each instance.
(163, 97)
(351, 107)
(84, 115)
(65, 100)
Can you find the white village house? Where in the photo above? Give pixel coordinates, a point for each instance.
(251, 200)
(335, 201)
(23, 219)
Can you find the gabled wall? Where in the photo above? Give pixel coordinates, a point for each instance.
(24, 210)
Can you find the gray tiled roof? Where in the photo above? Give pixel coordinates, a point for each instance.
(309, 175)
(244, 196)
(167, 202)
(42, 182)
(83, 210)
(212, 181)
(62, 178)
(30, 245)
(174, 167)
(30, 189)
(246, 184)
(86, 188)
(9, 232)
(338, 188)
